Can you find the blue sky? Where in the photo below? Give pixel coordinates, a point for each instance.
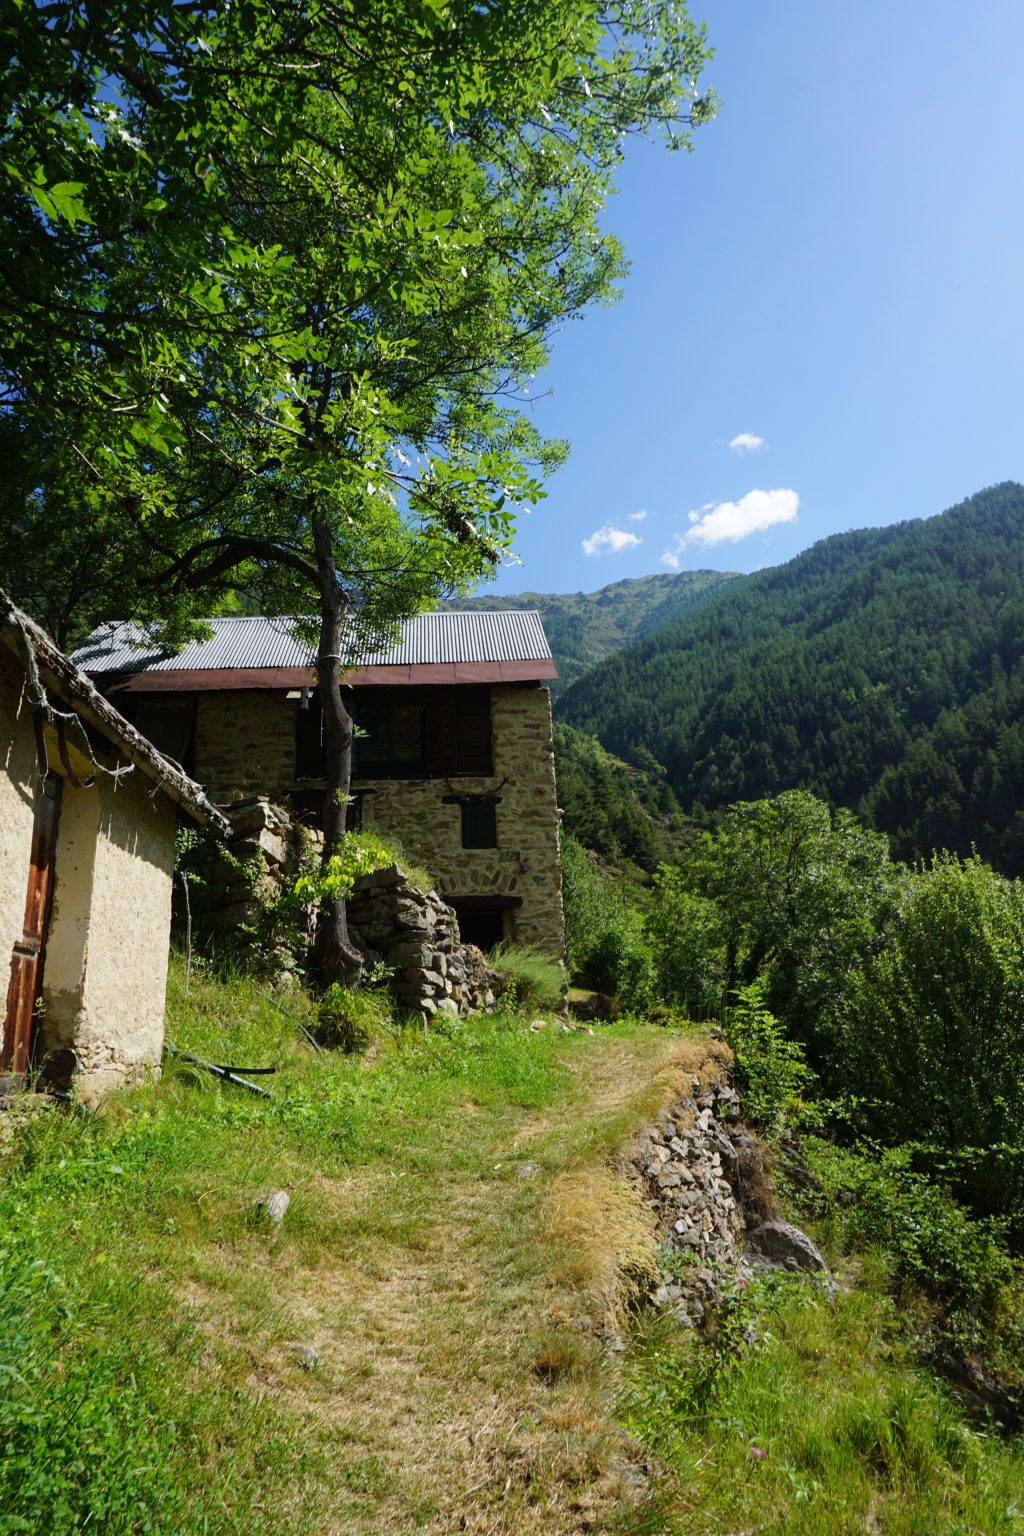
(837, 270)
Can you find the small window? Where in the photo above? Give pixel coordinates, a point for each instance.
(479, 824)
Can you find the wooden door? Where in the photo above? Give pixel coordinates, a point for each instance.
(27, 959)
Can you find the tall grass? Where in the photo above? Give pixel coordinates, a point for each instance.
(817, 1424)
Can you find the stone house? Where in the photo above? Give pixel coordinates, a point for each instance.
(454, 760)
(88, 813)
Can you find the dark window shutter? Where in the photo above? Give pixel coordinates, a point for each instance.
(310, 762)
(479, 824)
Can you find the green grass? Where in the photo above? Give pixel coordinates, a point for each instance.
(145, 1318)
(822, 1426)
(535, 981)
(453, 1211)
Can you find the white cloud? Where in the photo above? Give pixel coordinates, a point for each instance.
(637, 517)
(609, 541)
(746, 442)
(730, 521)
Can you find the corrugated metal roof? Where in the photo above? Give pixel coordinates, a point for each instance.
(239, 643)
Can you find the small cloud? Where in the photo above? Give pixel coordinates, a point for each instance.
(730, 521)
(609, 541)
(746, 442)
(637, 517)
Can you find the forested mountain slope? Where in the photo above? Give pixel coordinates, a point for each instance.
(622, 812)
(583, 628)
(883, 669)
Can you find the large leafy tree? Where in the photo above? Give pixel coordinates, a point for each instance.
(277, 279)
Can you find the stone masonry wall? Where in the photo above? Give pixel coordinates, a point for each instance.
(391, 921)
(245, 744)
(413, 932)
(705, 1179)
(525, 864)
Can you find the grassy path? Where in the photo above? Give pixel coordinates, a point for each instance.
(454, 1259)
(450, 1255)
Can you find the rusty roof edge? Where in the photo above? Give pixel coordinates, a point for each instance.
(75, 688)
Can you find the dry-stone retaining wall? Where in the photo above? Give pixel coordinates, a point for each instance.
(393, 923)
(704, 1179)
(416, 935)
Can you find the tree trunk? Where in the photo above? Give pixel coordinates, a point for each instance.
(339, 960)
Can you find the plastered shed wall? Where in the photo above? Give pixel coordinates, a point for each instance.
(105, 972)
(105, 956)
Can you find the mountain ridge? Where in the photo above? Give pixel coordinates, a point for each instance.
(882, 668)
(584, 628)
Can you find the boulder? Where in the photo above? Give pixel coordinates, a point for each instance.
(780, 1245)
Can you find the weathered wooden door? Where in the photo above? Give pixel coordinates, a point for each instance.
(27, 959)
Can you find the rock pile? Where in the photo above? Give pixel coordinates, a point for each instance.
(394, 924)
(415, 934)
(691, 1163)
(244, 875)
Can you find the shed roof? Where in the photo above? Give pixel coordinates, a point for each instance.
(61, 677)
(257, 652)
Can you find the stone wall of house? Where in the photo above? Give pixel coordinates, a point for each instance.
(525, 864)
(245, 743)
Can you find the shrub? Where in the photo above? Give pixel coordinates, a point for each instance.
(604, 936)
(770, 1068)
(350, 1020)
(686, 934)
(621, 959)
(803, 892)
(535, 979)
(880, 1200)
(935, 1029)
(583, 903)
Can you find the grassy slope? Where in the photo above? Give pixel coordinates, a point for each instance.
(455, 1218)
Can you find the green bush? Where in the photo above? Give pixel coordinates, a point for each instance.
(686, 933)
(803, 893)
(532, 976)
(604, 935)
(583, 903)
(770, 1068)
(350, 1020)
(880, 1200)
(935, 1030)
(621, 959)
